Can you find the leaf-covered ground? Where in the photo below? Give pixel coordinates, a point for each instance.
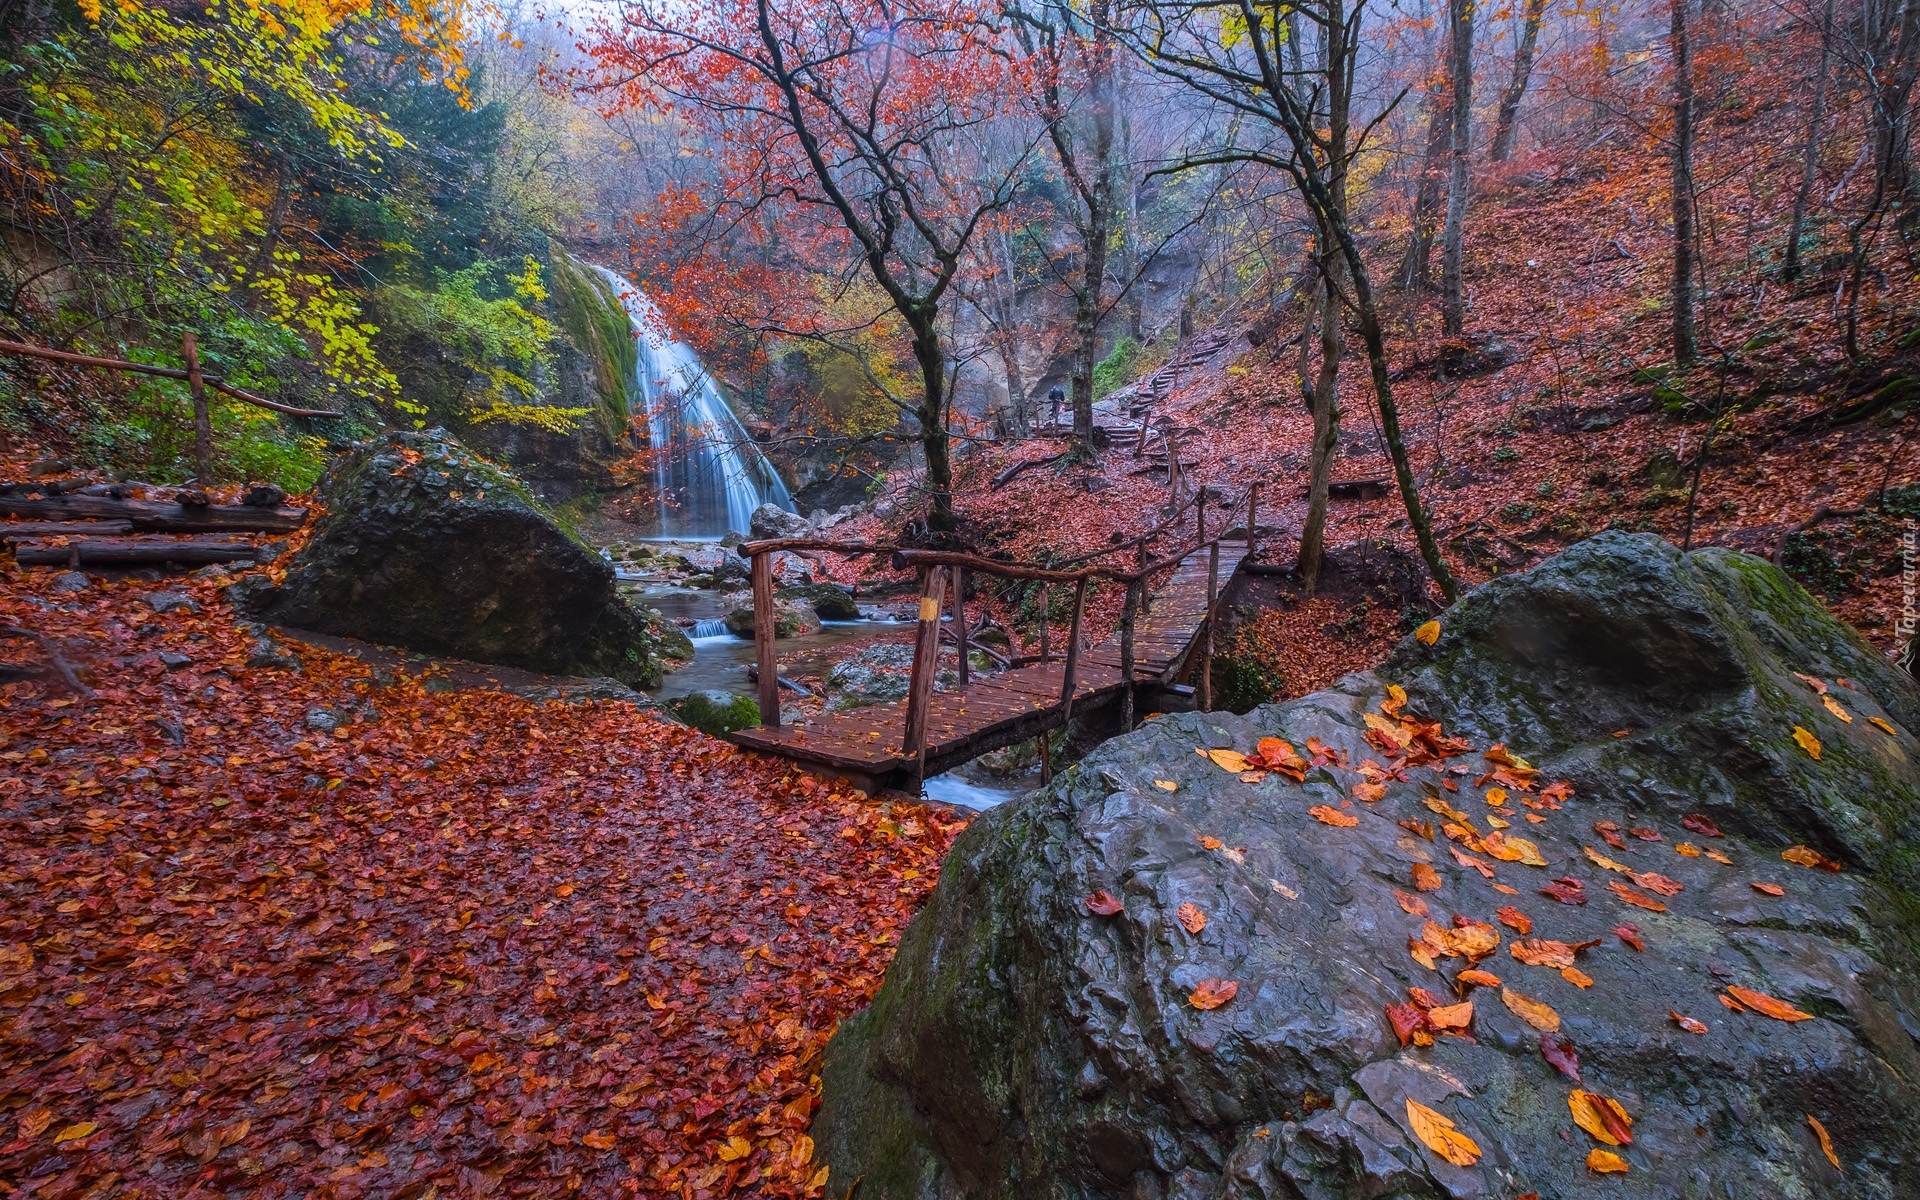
(463, 944)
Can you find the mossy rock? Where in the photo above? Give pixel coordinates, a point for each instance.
(716, 712)
(791, 619)
(828, 601)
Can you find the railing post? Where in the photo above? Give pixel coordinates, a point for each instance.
(1046, 622)
(1069, 679)
(202, 423)
(1253, 517)
(960, 622)
(763, 633)
(1127, 613)
(1206, 635)
(1200, 516)
(926, 662)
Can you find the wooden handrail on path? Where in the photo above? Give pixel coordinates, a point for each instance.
(851, 749)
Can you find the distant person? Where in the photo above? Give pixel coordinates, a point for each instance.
(1054, 397)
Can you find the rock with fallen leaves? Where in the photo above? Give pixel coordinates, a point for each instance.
(427, 546)
(1023, 1046)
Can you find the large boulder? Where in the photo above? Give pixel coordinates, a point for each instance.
(1023, 1045)
(426, 546)
(772, 521)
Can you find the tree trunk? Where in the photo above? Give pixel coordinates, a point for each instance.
(1416, 266)
(1505, 127)
(1460, 67)
(1685, 346)
(932, 415)
(1324, 398)
(1810, 156)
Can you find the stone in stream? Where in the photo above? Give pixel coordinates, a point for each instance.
(716, 712)
(791, 618)
(772, 521)
(427, 546)
(1022, 1045)
(830, 602)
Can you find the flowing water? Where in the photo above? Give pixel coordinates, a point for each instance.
(709, 474)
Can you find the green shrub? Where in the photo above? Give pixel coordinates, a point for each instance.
(1116, 370)
(1505, 454)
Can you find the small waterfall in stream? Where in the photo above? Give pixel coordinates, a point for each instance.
(708, 472)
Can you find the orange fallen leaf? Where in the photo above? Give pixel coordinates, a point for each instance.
(1884, 726)
(1103, 903)
(1435, 1129)
(733, 1149)
(1166, 785)
(1429, 633)
(1542, 952)
(1576, 977)
(1718, 857)
(1730, 1003)
(1369, 793)
(1426, 878)
(1212, 993)
(1818, 685)
(564, 890)
(1451, 1016)
(1496, 796)
(1631, 896)
(74, 1133)
(1807, 856)
(1228, 760)
(1826, 1143)
(1514, 919)
(1210, 843)
(1536, 1013)
(1467, 860)
(1333, 816)
(1410, 903)
(1605, 1162)
(1833, 706)
(1477, 977)
(1653, 881)
(1191, 918)
(1766, 1005)
(1600, 860)
(599, 1139)
(1808, 742)
(1770, 889)
(1601, 1117)
(1686, 849)
(1687, 1023)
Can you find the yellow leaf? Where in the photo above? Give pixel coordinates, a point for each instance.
(1808, 742)
(1228, 760)
(74, 1133)
(1600, 1116)
(1606, 1162)
(1436, 1130)
(1600, 860)
(735, 1147)
(1833, 706)
(1686, 850)
(1533, 1012)
(1826, 1143)
(1883, 725)
(1165, 785)
(1428, 633)
(1576, 977)
(1396, 695)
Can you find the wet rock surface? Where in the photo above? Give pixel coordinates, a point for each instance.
(427, 546)
(1024, 1046)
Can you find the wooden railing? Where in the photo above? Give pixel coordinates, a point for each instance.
(934, 568)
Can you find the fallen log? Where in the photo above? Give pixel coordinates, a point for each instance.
(1013, 472)
(125, 551)
(20, 529)
(158, 515)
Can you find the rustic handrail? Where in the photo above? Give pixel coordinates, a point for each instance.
(902, 559)
(120, 364)
(798, 544)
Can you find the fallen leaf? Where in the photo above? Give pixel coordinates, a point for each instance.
(1819, 686)
(1477, 977)
(1228, 760)
(1766, 1005)
(1514, 919)
(1426, 878)
(1566, 890)
(1631, 896)
(1611, 832)
(1429, 1126)
(1807, 856)
(1212, 993)
(1369, 793)
(1210, 843)
(1536, 1013)
(1333, 816)
(1560, 1055)
(1468, 860)
(1166, 785)
(733, 1149)
(74, 1133)
(1496, 796)
(1770, 889)
(1701, 826)
(1687, 1023)
(1686, 849)
(1884, 726)
(564, 890)
(1409, 1022)
(1428, 633)
(1576, 977)
(1601, 1117)
(1653, 881)
(1542, 952)
(1600, 860)
(1630, 934)
(1410, 903)
(34, 1122)
(1191, 918)
(1833, 706)
(1451, 1016)
(599, 1139)
(1826, 1143)
(1716, 856)
(1808, 742)
(1605, 1162)
(1104, 903)
(1503, 889)
(1730, 1003)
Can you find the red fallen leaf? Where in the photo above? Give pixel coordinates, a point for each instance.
(1423, 998)
(1554, 795)
(1514, 919)
(1406, 1021)
(1560, 1055)
(1630, 934)
(1645, 834)
(1191, 918)
(1611, 832)
(1766, 1005)
(1701, 826)
(1567, 890)
(1653, 881)
(1104, 903)
(1212, 993)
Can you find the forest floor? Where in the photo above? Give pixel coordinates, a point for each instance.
(340, 931)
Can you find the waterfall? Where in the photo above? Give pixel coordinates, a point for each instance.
(709, 629)
(709, 474)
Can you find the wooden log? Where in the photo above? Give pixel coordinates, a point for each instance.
(1014, 472)
(903, 559)
(20, 529)
(156, 515)
(926, 661)
(960, 621)
(1073, 652)
(1206, 633)
(121, 551)
(763, 634)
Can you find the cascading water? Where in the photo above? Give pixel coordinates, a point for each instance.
(709, 474)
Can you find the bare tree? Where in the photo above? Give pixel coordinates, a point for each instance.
(1506, 123)
(1685, 343)
(1810, 155)
(1460, 68)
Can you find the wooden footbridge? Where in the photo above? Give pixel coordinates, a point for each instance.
(1165, 636)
